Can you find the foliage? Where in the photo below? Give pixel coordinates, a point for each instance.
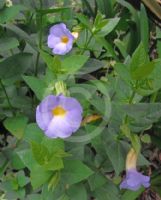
(113, 70)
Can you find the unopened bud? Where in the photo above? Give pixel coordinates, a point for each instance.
(75, 34)
(61, 88)
(9, 3)
(131, 159)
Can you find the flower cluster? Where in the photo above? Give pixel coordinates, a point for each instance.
(59, 116)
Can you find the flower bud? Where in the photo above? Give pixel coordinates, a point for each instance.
(131, 159)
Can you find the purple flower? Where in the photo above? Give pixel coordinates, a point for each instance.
(60, 39)
(134, 180)
(59, 116)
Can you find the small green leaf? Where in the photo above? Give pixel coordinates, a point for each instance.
(27, 158)
(13, 67)
(102, 194)
(16, 125)
(39, 176)
(146, 139)
(108, 27)
(144, 70)
(40, 153)
(53, 145)
(54, 181)
(77, 192)
(8, 43)
(33, 133)
(139, 58)
(116, 153)
(84, 20)
(75, 171)
(96, 181)
(37, 85)
(53, 62)
(55, 163)
(74, 63)
(132, 195)
(144, 27)
(8, 14)
(22, 179)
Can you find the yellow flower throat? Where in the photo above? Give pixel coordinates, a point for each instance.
(64, 39)
(59, 111)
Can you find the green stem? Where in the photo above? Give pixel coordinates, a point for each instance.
(7, 97)
(40, 40)
(153, 97)
(37, 63)
(130, 102)
(41, 30)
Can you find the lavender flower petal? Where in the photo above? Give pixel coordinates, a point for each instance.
(56, 40)
(134, 180)
(55, 124)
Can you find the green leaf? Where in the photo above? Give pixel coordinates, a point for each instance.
(37, 85)
(75, 171)
(96, 181)
(54, 163)
(146, 138)
(139, 58)
(112, 194)
(132, 195)
(33, 133)
(53, 63)
(144, 27)
(107, 46)
(123, 72)
(16, 125)
(16, 162)
(84, 20)
(22, 179)
(53, 145)
(116, 153)
(27, 158)
(8, 14)
(142, 115)
(21, 34)
(91, 65)
(73, 63)
(39, 176)
(77, 192)
(64, 197)
(108, 27)
(12, 67)
(122, 47)
(144, 70)
(152, 83)
(54, 181)
(34, 197)
(40, 153)
(7, 43)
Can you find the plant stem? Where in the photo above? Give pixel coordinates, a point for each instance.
(153, 97)
(130, 102)
(37, 63)
(40, 40)
(7, 97)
